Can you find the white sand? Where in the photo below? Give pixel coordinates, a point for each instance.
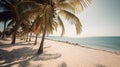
(58, 54)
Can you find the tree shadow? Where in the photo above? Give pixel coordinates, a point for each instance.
(23, 56)
(47, 47)
(4, 39)
(23, 63)
(46, 56)
(63, 64)
(99, 65)
(16, 54)
(24, 43)
(4, 45)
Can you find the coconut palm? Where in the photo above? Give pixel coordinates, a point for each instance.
(54, 12)
(20, 7)
(5, 15)
(10, 8)
(15, 9)
(4, 18)
(30, 36)
(66, 9)
(47, 25)
(47, 14)
(31, 15)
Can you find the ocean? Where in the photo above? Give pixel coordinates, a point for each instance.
(104, 43)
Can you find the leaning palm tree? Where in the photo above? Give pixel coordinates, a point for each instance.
(46, 25)
(52, 14)
(59, 9)
(43, 20)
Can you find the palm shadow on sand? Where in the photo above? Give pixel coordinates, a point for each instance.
(4, 45)
(25, 55)
(63, 64)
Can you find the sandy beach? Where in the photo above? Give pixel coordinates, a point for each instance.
(56, 54)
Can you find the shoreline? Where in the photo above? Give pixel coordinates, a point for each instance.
(77, 44)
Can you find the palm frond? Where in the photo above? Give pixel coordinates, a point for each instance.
(6, 15)
(28, 6)
(85, 3)
(11, 23)
(35, 27)
(5, 5)
(78, 5)
(62, 25)
(39, 1)
(14, 2)
(49, 19)
(25, 26)
(66, 6)
(72, 19)
(55, 25)
(38, 25)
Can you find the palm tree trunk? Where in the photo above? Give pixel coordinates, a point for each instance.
(36, 39)
(16, 26)
(26, 37)
(14, 37)
(30, 36)
(40, 50)
(15, 32)
(3, 35)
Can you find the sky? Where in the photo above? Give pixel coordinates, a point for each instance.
(101, 18)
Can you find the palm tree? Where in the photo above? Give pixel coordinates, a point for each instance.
(54, 12)
(10, 8)
(5, 16)
(47, 14)
(31, 15)
(65, 9)
(30, 36)
(15, 8)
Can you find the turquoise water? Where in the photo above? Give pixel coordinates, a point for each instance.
(106, 43)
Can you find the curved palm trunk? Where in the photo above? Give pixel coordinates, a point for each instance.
(36, 39)
(40, 50)
(3, 35)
